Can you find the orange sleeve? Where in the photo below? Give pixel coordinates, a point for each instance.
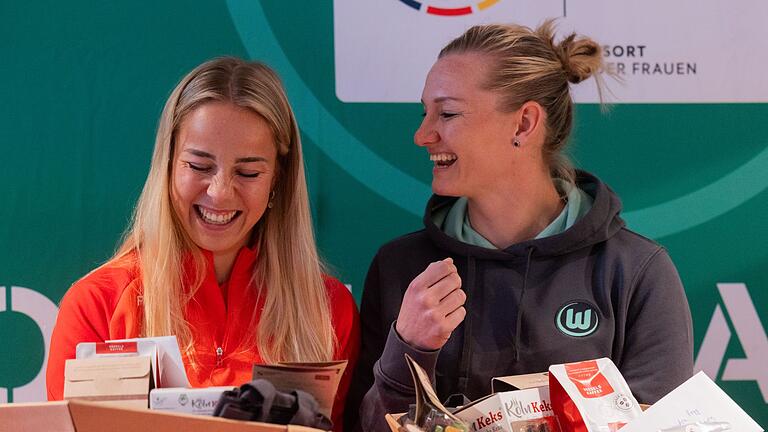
(346, 324)
(84, 316)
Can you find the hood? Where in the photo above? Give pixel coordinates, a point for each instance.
(599, 224)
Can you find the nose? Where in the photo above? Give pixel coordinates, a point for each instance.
(425, 134)
(220, 188)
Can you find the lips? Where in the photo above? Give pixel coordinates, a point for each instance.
(216, 217)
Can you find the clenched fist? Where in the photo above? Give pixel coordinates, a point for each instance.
(433, 306)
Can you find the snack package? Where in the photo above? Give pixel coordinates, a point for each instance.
(591, 396)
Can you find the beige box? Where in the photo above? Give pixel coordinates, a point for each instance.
(120, 381)
(85, 416)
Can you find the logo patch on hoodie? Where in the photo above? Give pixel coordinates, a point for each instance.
(577, 319)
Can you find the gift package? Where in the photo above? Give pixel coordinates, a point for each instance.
(585, 396)
(111, 384)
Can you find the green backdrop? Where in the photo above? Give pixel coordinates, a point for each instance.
(82, 86)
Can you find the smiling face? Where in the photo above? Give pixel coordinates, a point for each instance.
(224, 168)
(468, 139)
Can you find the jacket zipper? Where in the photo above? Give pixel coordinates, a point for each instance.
(219, 355)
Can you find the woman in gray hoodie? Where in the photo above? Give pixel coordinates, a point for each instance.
(523, 261)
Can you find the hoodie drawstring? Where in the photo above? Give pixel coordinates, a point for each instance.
(519, 325)
(466, 349)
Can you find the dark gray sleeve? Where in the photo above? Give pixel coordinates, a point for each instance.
(382, 383)
(658, 345)
(392, 390)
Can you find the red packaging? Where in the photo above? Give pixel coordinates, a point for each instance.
(591, 396)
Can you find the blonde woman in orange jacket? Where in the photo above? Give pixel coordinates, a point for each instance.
(220, 251)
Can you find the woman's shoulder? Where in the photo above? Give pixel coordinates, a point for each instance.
(634, 246)
(337, 291)
(416, 239)
(343, 306)
(344, 316)
(105, 284)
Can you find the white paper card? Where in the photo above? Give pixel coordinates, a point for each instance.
(696, 405)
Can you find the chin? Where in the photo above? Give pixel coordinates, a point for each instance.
(217, 246)
(445, 190)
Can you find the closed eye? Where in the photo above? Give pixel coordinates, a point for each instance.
(248, 174)
(448, 115)
(198, 168)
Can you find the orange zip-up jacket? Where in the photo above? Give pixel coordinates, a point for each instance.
(105, 305)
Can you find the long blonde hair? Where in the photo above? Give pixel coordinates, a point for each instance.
(527, 65)
(295, 323)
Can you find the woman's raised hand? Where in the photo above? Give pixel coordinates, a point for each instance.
(433, 306)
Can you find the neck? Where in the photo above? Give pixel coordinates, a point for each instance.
(516, 213)
(222, 264)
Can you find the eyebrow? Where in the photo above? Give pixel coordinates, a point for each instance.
(207, 155)
(444, 98)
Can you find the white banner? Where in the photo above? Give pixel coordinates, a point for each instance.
(683, 51)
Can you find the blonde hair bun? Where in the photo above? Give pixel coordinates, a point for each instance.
(581, 56)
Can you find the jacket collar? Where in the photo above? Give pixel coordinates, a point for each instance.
(599, 224)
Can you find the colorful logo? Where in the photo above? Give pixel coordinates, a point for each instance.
(577, 319)
(449, 11)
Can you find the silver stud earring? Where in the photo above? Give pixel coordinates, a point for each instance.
(516, 142)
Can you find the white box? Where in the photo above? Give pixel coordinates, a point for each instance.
(186, 400)
(507, 411)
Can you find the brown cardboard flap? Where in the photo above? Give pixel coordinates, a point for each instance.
(81, 416)
(107, 368)
(48, 417)
(391, 419)
(89, 417)
(321, 380)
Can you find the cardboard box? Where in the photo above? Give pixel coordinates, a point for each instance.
(514, 400)
(170, 366)
(123, 381)
(508, 411)
(199, 401)
(84, 416)
(87, 350)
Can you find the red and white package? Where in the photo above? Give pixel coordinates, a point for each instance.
(591, 396)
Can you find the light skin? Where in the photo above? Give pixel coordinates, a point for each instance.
(511, 197)
(223, 170)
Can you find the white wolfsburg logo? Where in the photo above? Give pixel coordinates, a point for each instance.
(751, 335)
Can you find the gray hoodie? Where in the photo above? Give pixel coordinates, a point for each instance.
(594, 290)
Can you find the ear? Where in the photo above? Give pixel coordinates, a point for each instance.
(530, 123)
